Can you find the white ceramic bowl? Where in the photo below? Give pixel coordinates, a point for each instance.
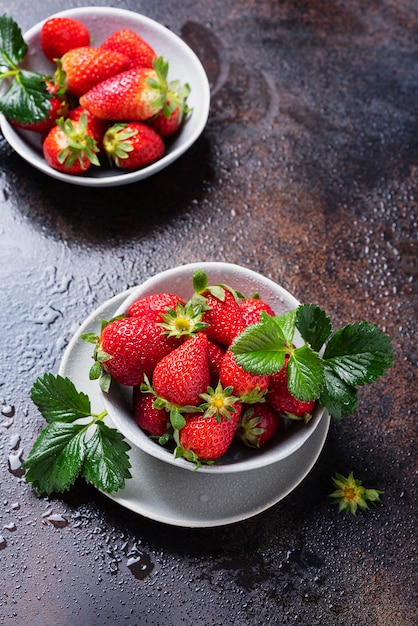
(184, 65)
(118, 401)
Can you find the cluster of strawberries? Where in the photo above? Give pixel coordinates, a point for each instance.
(113, 99)
(187, 386)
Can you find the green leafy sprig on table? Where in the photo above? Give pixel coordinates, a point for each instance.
(76, 442)
(327, 367)
(26, 99)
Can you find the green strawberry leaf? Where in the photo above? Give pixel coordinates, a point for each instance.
(339, 398)
(27, 99)
(106, 463)
(285, 323)
(67, 448)
(55, 460)
(12, 45)
(359, 353)
(58, 399)
(200, 281)
(305, 373)
(261, 347)
(313, 324)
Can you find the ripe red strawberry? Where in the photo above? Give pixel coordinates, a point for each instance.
(60, 34)
(207, 438)
(251, 310)
(130, 347)
(134, 95)
(87, 66)
(182, 375)
(216, 355)
(133, 145)
(129, 43)
(155, 422)
(224, 317)
(171, 117)
(58, 108)
(257, 425)
(95, 126)
(283, 401)
(249, 387)
(69, 147)
(153, 305)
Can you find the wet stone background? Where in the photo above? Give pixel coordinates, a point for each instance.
(307, 173)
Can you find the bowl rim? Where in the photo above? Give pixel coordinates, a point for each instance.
(140, 439)
(16, 137)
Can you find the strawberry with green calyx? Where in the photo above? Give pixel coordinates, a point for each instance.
(249, 387)
(135, 95)
(170, 119)
(183, 374)
(81, 69)
(153, 421)
(251, 309)
(129, 43)
(220, 306)
(132, 145)
(153, 305)
(61, 34)
(126, 348)
(69, 147)
(27, 99)
(350, 494)
(220, 402)
(96, 128)
(326, 367)
(205, 438)
(183, 321)
(257, 425)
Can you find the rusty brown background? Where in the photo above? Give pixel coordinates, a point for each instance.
(307, 173)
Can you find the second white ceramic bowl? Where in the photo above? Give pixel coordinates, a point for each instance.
(184, 65)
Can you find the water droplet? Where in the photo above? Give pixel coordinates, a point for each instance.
(15, 463)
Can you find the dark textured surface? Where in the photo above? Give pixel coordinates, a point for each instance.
(307, 173)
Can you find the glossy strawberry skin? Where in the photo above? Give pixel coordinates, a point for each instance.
(88, 66)
(224, 319)
(155, 422)
(242, 382)
(133, 145)
(216, 355)
(126, 96)
(207, 437)
(167, 126)
(153, 305)
(58, 108)
(129, 43)
(183, 375)
(136, 345)
(61, 34)
(54, 143)
(251, 309)
(282, 400)
(257, 425)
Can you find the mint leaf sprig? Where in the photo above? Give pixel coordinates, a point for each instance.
(76, 442)
(27, 99)
(326, 367)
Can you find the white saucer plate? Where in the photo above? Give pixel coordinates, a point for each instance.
(173, 495)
